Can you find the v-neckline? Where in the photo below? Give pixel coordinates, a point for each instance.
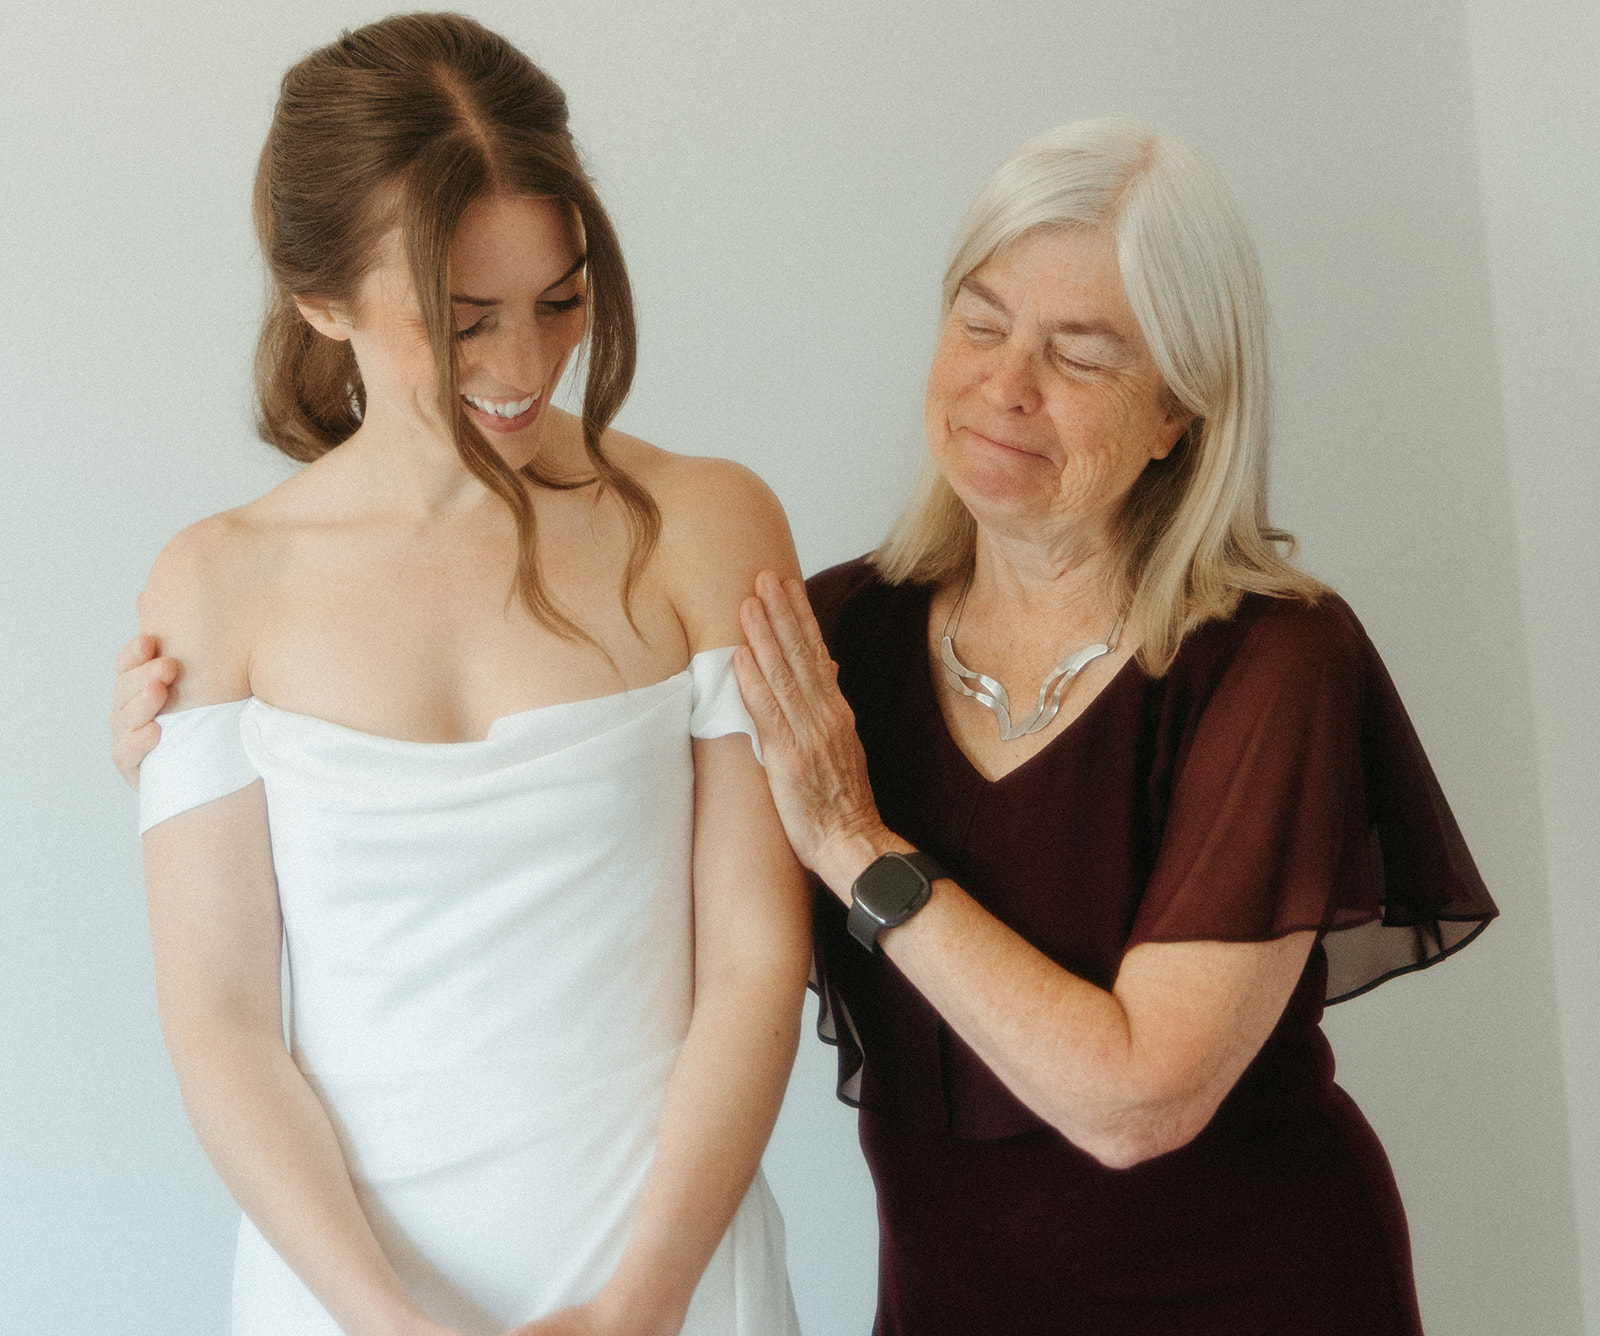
(921, 627)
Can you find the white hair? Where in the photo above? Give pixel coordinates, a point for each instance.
(1193, 534)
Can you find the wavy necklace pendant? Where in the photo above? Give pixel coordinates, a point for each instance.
(992, 694)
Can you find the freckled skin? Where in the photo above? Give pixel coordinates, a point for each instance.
(1043, 431)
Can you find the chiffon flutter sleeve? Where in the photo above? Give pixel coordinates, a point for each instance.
(1301, 799)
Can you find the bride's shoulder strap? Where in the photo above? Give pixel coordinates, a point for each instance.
(200, 757)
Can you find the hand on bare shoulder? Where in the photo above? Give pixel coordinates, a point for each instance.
(197, 604)
(192, 647)
(720, 526)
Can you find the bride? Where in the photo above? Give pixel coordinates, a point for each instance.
(457, 726)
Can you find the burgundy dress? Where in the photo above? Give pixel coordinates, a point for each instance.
(1269, 783)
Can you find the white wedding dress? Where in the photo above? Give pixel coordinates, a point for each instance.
(490, 952)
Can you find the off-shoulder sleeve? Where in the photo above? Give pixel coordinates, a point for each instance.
(718, 708)
(200, 757)
(1303, 800)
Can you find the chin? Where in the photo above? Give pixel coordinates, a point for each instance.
(995, 486)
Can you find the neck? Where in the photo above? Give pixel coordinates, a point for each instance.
(1037, 617)
(411, 465)
(1066, 583)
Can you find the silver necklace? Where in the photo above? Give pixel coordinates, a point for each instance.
(991, 693)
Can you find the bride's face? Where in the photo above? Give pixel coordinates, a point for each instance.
(517, 287)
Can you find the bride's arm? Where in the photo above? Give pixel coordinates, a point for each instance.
(752, 951)
(217, 937)
(215, 928)
(752, 939)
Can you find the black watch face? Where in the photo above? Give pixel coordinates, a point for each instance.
(891, 889)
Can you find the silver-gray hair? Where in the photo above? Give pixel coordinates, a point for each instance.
(1193, 535)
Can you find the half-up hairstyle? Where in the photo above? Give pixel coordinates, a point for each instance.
(1193, 534)
(408, 122)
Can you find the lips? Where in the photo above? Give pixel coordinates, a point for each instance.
(502, 415)
(998, 443)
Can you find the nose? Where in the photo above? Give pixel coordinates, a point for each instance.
(520, 357)
(1012, 380)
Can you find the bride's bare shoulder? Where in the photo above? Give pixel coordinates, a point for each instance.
(201, 598)
(720, 525)
(698, 491)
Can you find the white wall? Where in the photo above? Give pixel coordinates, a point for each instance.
(785, 180)
(1536, 71)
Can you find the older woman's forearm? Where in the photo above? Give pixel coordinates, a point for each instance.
(1063, 1046)
(1125, 1074)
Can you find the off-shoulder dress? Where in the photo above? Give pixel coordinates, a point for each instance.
(1270, 782)
(490, 959)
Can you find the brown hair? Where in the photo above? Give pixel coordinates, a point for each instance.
(409, 121)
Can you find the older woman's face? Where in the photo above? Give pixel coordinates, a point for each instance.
(1044, 404)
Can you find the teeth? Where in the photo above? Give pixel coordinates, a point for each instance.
(511, 409)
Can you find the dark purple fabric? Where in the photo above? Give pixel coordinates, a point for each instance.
(1270, 782)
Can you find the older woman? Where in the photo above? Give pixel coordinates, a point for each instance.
(1077, 947)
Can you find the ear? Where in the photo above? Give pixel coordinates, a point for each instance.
(326, 317)
(1174, 425)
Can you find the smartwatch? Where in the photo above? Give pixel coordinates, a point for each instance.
(890, 891)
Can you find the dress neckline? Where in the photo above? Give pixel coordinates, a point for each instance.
(922, 608)
(499, 728)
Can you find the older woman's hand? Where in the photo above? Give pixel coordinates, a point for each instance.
(814, 760)
(143, 681)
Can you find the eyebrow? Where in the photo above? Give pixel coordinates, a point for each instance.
(465, 300)
(989, 297)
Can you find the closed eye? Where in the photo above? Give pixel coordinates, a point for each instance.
(571, 303)
(477, 327)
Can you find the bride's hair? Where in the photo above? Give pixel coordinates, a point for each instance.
(406, 123)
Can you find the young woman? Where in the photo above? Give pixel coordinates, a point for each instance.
(456, 723)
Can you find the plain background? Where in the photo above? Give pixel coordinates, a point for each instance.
(1423, 180)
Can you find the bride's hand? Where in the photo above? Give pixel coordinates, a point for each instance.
(815, 764)
(137, 697)
(586, 1320)
(575, 1321)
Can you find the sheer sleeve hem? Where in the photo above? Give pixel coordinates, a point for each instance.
(830, 592)
(836, 1027)
(200, 757)
(718, 708)
(1360, 955)
(1304, 800)
(1361, 958)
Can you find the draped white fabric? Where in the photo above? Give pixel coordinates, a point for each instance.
(490, 953)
